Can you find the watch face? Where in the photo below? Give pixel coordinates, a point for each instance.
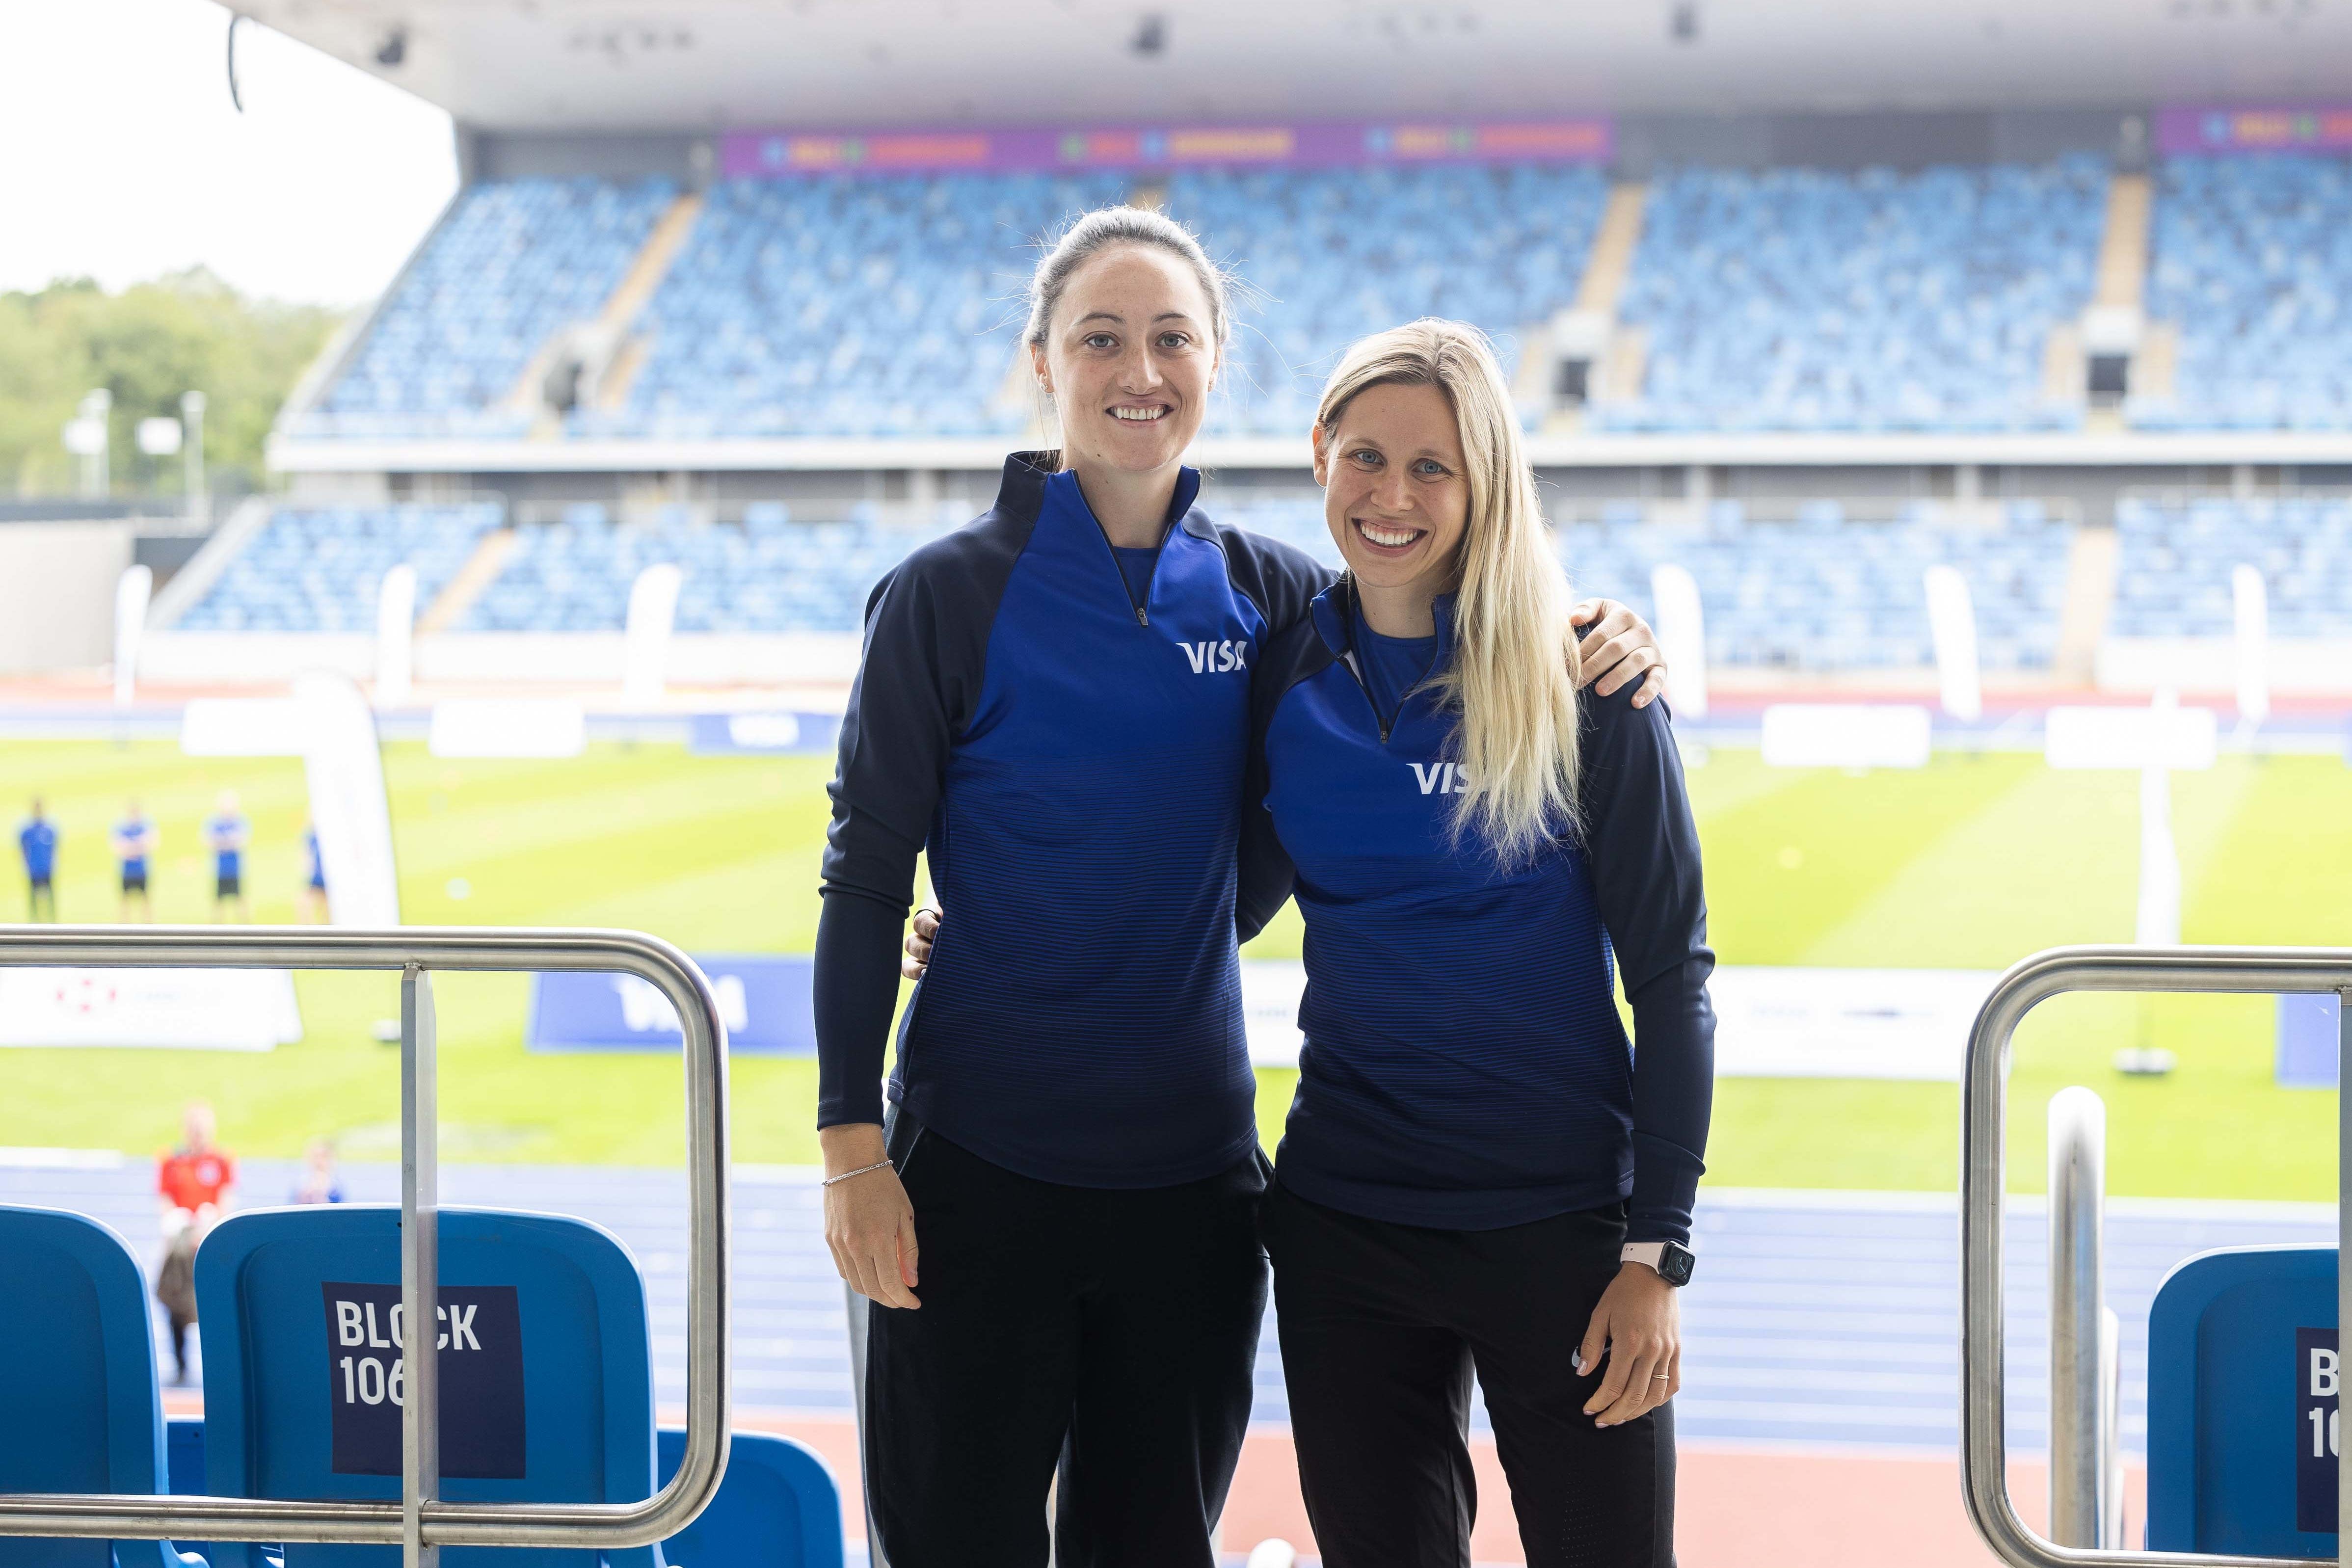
(1675, 1264)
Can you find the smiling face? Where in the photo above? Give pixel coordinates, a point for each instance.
(1129, 359)
(1396, 489)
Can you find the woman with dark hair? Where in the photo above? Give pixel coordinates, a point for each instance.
(1055, 1218)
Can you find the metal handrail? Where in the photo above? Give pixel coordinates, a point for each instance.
(2085, 1477)
(1983, 1157)
(415, 951)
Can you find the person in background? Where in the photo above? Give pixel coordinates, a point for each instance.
(135, 841)
(314, 883)
(227, 832)
(194, 1185)
(38, 841)
(320, 1181)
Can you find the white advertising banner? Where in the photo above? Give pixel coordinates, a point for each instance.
(1770, 1021)
(1846, 734)
(1773, 1022)
(183, 1009)
(1270, 991)
(345, 769)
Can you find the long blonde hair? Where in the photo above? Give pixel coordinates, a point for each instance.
(1512, 680)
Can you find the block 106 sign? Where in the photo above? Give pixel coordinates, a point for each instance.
(479, 1335)
(2318, 1385)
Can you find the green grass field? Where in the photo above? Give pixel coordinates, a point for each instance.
(1970, 862)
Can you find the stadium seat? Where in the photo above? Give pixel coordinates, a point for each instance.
(79, 1410)
(547, 1386)
(778, 1508)
(183, 1445)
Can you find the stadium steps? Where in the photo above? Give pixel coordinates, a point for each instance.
(1606, 267)
(481, 569)
(2091, 561)
(614, 356)
(2123, 250)
(2122, 275)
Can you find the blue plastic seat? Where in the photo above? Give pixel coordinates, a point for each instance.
(276, 1367)
(76, 1381)
(777, 1508)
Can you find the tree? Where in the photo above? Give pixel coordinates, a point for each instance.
(188, 331)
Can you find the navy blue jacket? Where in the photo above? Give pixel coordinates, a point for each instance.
(1073, 761)
(1465, 1065)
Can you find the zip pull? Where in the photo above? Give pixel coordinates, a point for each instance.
(1384, 733)
(1140, 619)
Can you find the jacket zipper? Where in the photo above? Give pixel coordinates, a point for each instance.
(1119, 571)
(1386, 724)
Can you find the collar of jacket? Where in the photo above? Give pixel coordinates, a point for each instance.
(1337, 607)
(1022, 491)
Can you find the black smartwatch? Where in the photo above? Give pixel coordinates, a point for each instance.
(1671, 1259)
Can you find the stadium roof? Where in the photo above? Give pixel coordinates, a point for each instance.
(706, 65)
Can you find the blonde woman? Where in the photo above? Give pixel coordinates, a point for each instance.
(1476, 1173)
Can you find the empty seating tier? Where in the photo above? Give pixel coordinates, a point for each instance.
(1829, 592)
(2254, 266)
(513, 261)
(1329, 255)
(1814, 299)
(2173, 577)
(318, 568)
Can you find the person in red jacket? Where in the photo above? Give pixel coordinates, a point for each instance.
(194, 1184)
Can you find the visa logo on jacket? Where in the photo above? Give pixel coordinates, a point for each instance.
(1215, 658)
(1441, 777)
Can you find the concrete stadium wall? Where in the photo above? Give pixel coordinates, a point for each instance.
(57, 594)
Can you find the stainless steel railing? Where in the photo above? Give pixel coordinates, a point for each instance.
(2086, 1482)
(1983, 1125)
(422, 1522)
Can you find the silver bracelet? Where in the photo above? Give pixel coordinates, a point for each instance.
(862, 1170)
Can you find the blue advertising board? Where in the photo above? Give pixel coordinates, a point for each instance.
(763, 999)
(2241, 1404)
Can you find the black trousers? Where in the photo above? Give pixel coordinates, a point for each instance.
(1382, 1325)
(1109, 1333)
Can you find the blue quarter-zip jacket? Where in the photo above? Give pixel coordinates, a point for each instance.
(1072, 757)
(1465, 1065)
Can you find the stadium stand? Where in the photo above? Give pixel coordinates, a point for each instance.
(77, 1382)
(767, 573)
(318, 568)
(2176, 560)
(2253, 266)
(865, 306)
(1329, 255)
(1827, 591)
(1814, 299)
(514, 260)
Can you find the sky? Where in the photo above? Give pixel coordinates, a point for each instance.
(127, 159)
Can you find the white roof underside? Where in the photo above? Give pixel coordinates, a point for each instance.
(706, 64)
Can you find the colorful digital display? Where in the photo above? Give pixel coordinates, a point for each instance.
(782, 153)
(2311, 128)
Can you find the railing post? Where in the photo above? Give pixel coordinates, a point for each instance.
(2343, 1251)
(420, 1265)
(2078, 1446)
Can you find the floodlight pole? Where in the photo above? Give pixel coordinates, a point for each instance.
(192, 454)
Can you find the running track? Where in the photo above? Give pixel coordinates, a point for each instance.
(1819, 1417)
